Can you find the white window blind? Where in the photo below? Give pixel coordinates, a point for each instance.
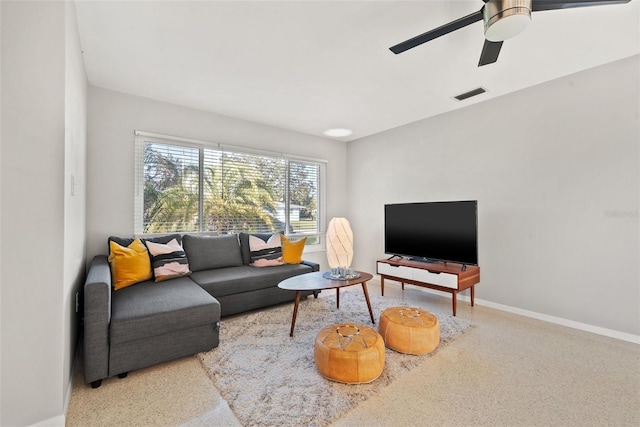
(193, 186)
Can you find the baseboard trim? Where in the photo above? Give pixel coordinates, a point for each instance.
(58, 421)
(624, 336)
(69, 391)
(561, 321)
(61, 420)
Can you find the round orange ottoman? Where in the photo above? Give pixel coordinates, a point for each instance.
(409, 330)
(349, 353)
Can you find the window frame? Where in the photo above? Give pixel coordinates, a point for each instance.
(142, 137)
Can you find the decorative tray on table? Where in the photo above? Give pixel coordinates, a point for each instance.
(342, 275)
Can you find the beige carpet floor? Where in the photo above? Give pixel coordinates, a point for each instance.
(507, 371)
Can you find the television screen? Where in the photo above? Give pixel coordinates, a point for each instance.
(439, 231)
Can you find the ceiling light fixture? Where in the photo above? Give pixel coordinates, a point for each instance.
(504, 19)
(337, 132)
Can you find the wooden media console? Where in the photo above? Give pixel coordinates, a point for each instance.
(449, 277)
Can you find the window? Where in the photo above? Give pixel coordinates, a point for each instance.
(192, 186)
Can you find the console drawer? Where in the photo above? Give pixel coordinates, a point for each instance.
(399, 271)
(447, 280)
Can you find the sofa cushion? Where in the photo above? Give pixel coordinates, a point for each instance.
(150, 309)
(261, 249)
(129, 264)
(292, 251)
(209, 252)
(168, 261)
(234, 280)
(245, 248)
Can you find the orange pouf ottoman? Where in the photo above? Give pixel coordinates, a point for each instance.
(349, 353)
(409, 330)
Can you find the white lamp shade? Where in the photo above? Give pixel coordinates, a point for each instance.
(339, 243)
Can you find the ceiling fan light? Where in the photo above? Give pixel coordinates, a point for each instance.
(504, 19)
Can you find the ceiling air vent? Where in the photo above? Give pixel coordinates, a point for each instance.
(469, 94)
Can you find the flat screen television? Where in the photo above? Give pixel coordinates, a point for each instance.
(433, 231)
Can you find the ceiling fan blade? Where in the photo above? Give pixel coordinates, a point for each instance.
(490, 52)
(540, 5)
(440, 31)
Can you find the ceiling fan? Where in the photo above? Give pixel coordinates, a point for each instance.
(503, 19)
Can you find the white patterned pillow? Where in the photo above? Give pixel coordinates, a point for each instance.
(168, 261)
(271, 249)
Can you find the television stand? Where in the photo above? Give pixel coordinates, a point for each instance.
(450, 277)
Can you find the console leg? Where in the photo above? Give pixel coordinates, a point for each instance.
(454, 300)
(472, 292)
(382, 285)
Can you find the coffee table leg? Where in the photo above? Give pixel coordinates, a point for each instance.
(366, 296)
(295, 312)
(337, 297)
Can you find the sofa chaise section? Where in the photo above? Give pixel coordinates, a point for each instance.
(144, 324)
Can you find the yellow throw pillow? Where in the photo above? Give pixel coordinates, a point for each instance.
(292, 251)
(129, 265)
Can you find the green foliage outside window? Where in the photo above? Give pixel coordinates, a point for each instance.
(190, 189)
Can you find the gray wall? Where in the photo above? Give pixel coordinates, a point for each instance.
(114, 116)
(547, 165)
(43, 139)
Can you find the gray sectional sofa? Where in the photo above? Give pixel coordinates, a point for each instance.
(153, 322)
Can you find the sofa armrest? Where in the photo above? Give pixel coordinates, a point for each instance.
(314, 266)
(97, 316)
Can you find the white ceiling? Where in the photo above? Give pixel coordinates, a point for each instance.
(313, 65)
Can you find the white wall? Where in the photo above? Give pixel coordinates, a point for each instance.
(114, 116)
(1, 135)
(75, 197)
(32, 217)
(43, 83)
(546, 164)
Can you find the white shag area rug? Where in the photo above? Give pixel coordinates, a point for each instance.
(270, 379)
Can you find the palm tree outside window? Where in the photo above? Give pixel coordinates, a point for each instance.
(187, 186)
